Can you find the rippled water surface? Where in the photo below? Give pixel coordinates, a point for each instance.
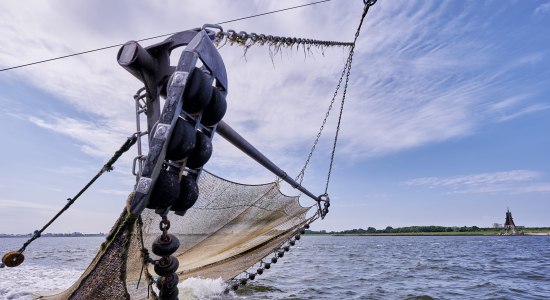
(326, 267)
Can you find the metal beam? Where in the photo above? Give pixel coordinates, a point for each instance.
(238, 141)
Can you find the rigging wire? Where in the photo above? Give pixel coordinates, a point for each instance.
(159, 36)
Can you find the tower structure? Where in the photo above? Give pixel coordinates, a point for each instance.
(509, 223)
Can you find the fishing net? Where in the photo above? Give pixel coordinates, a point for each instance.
(231, 227)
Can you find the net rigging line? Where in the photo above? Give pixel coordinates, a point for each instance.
(159, 36)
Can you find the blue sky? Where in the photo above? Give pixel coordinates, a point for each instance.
(446, 120)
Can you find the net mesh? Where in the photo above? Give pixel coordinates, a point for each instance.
(229, 229)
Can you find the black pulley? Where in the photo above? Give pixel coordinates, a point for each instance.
(260, 271)
(302, 231)
(286, 248)
(243, 281)
(197, 92)
(306, 226)
(166, 190)
(292, 242)
(201, 153)
(182, 141)
(168, 287)
(297, 237)
(251, 276)
(165, 245)
(235, 286)
(267, 266)
(215, 110)
(281, 253)
(189, 193)
(274, 260)
(167, 265)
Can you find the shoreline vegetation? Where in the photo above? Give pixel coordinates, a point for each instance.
(432, 231)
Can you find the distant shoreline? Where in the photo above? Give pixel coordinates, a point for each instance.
(429, 234)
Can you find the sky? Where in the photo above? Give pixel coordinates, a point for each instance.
(446, 118)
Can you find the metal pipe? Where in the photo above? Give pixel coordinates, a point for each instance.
(238, 141)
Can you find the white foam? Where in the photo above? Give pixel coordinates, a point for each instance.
(201, 288)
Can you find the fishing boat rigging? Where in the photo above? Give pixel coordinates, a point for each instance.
(207, 226)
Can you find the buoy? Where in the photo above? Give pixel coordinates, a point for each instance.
(197, 92)
(267, 266)
(215, 110)
(292, 242)
(189, 193)
(274, 260)
(201, 153)
(182, 140)
(13, 259)
(165, 191)
(260, 271)
(281, 253)
(251, 276)
(243, 281)
(297, 237)
(286, 248)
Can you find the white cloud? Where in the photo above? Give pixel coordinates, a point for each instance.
(515, 181)
(411, 84)
(543, 8)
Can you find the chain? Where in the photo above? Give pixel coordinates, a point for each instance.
(345, 72)
(247, 39)
(368, 4)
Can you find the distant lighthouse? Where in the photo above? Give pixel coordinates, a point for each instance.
(509, 224)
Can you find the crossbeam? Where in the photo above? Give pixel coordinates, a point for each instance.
(228, 133)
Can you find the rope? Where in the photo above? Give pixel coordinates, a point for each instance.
(158, 36)
(106, 168)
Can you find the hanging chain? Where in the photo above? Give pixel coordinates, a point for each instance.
(368, 4)
(346, 73)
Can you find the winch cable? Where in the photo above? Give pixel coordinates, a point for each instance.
(130, 141)
(159, 36)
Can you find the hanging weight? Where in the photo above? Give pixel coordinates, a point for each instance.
(215, 110)
(189, 193)
(168, 287)
(197, 92)
(164, 246)
(13, 259)
(201, 153)
(182, 141)
(167, 265)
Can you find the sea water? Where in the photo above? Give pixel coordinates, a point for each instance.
(332, 267)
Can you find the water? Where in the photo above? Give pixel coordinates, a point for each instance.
(325, 267)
